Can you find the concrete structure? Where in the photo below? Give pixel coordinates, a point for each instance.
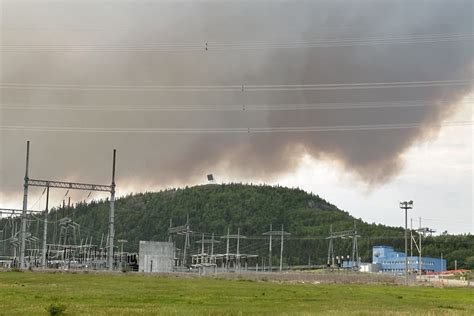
(392, 261)
(156, 256)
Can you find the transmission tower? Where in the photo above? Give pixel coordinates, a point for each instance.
(69, 186)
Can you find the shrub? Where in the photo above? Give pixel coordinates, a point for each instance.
(56, 309)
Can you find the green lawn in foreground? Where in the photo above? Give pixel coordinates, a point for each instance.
(28, 293)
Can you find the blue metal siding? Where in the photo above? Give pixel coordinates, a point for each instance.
(394, 262)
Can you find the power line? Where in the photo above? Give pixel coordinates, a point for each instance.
(443, 220)
(242, 88)
(39, 199)
(352, 39)
(224, 108)
(253, 45)
(428, 38)
(334, 128)
(102, 28)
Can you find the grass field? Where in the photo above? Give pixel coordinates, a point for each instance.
(29, 293)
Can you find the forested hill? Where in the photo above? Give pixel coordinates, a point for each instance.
(252, 208)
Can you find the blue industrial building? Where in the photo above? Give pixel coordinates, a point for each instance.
(391, 261)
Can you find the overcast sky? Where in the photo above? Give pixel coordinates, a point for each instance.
(352, 100)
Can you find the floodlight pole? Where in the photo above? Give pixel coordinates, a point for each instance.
(25, 207)
(406, 206)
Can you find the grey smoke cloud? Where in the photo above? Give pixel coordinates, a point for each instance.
(173, 159)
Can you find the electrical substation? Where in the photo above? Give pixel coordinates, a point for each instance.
(68, 250)
(28, 240)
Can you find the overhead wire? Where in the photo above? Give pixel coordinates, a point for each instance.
(443, 220)
(115, 28)
(233, 107)
(241, 87)
(42, 220)
(39, 199)
(329, 128)
(276, 239)
(249, 45)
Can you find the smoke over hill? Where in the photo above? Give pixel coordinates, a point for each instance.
(133, 45)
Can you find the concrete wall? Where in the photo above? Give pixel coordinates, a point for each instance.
(156, 256)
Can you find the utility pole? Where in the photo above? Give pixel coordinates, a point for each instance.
(209, 256)
(227, 249)
(411, 237)
(45, 231)
(180, 230)
(281, 250)
(212, 249)
(442, 269)
(121, 241)
(270, 234)
(186, 240)
(170, 239)
(237, 254)
(270, 265)
(281, 233)
(237, 257)
(419, 253)
(112, 219)
(421, 234)
(355, 249)
(201, 259)
(25, 207)
(406, 206)
(330, 262)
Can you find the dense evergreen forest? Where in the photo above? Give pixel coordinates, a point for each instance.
(212, 209)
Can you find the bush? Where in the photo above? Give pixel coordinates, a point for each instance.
(56, 309)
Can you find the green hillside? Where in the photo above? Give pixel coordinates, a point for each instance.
(252, 208)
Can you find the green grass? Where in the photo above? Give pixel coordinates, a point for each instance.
(28, 293)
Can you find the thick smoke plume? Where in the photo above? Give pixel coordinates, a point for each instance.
(151, 159)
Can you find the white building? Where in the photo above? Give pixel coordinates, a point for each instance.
(155, 256)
